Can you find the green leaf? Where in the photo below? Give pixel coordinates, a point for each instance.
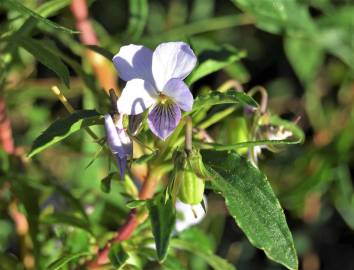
(215, 98)
(139, 11)
(163, 219)
(106, 182)
(63, 128)
(253, 204)
(46, 57)
(213, 260)
(274, 16)
(50, 8)
(65, 259)
(213, 60)
(117, 255)
(306, 60)
(136, 203)
(16, 5)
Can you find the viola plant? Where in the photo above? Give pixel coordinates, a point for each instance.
(172, 144)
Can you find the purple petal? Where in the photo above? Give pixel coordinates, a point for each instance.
(179, 92)
(122, 164)
(172, 60)
(134, 62)
(118, 142)
(163, 119)
(137, 96)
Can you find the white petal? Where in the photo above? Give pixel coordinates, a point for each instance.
(134, 62)
(172, 60)
(179, 92)
(137, 96)
(186, 216)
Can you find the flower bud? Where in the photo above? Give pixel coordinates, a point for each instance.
(189, 177)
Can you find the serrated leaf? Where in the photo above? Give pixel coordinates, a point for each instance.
(213, 60)
(117, 255)
(46, 57)
(253, 204)
(16, 5)
(63, 128)
(216, 98)
(65, 259)
(163, 219)
(213, 260)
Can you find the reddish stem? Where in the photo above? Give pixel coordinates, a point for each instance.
(6, 139)
(100, 65)
(127, 229)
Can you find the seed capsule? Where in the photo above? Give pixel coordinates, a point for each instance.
(191, 188)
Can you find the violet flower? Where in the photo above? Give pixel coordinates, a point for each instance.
(118, 142)
(155, 81)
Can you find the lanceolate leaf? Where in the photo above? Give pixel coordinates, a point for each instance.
(215, 98)
(63, 128)
(214, 60)
(163, 219)
(65, 259)
(46, 57)
(16, 5)
(253, 204)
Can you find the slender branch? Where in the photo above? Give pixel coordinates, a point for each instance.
(132, 221)
(6, 139)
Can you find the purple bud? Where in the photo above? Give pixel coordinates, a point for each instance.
(118, 142)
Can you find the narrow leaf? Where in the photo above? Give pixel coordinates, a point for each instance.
(63, 128)
(46, 57)
(213, 60)
(163, 219)
(253, 204)
(16, 5)
(65, 259)
(215, 98)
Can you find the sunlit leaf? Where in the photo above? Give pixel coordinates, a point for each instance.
(65, 259)
(63, 128)
(215, 98)
(253, 204)
(16, 5)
